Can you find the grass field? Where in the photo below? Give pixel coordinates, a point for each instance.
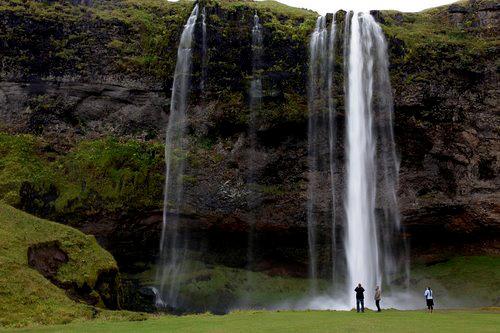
(487, 320)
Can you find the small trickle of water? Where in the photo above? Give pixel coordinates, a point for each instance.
(204, 54)
(394, 248)
(159, 303)
(256, 84)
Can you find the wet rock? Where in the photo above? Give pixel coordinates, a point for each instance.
(72, 110)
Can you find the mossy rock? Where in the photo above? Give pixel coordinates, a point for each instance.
(27, 296)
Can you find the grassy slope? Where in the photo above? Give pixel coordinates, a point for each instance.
(26, 297)
(308, 321)
(474, 280)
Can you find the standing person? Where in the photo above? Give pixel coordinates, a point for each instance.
(378, 297)
(360, 298)
(429, 299)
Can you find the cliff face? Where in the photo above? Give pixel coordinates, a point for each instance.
(73, 74)
(446, 99)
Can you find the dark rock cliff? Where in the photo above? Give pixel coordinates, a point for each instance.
(105, 70)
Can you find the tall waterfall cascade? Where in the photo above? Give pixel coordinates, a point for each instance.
(173, 244)
(375, 248)
(375, 251)
(361, 241)
(332, 135)
(321, 135)
(255, 105)
(315, 93)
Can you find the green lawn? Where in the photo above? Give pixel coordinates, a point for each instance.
(301, 321)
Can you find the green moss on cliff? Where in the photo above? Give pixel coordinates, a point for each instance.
(26, 296)
(286, 32)
(99, 177)
(154, 28)
(136, 38)
(20, 161)
(111, 175)
(132, 37)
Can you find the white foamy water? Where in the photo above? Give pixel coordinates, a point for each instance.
(375, 251)
(361, 243)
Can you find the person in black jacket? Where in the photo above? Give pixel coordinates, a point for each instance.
(360, 298)
(378, 297)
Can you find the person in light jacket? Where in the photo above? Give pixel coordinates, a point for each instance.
(378, 297)
(429, 299)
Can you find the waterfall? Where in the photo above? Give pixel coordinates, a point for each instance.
(375, 250)
(332, 134)
(255, 104)
(394, 248)
(373, 242)
(361, 237)
(321, 136)
(256, 84)
(173, 245)
(315, 63)
(204, 54)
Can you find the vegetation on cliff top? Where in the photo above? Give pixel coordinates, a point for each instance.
(123, 38)
(136, 40)
(436, 45)
(27, 297)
